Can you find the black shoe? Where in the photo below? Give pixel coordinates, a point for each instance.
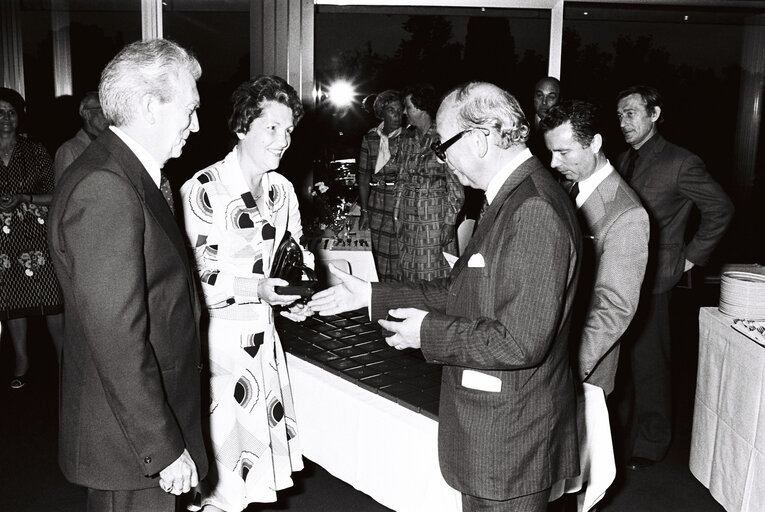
(19, 381)
(639, 463)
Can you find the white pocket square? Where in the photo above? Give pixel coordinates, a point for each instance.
(476, 261)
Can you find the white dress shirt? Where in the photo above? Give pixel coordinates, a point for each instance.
(151, 165)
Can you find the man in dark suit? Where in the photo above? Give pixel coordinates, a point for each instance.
(499, 322)
(670, 181)
(546, 96)
(615, 228)
(130, 417)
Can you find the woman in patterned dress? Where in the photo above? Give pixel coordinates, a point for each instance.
(236, 212)
(377, 177)
(428, 195)
(28, 285)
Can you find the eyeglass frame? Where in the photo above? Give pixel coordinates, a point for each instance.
(439, 148)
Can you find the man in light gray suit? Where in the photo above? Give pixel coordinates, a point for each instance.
(616, 231)
(499, 323)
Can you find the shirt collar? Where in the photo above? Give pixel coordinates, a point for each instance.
(143, 156)
(589, 184)
(499, 179)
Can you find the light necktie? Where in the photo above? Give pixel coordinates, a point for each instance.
(167, 192)
(632, 155)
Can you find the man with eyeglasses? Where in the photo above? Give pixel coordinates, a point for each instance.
(499, 322)
(93, 125)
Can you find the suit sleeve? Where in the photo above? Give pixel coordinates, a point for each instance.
(63, 159)
(715, 207)
(618, 278)
(530, 269)
(105, 250)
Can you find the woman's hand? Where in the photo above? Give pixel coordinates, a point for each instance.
(267, 293)
(297, 313)
(364, 220)
(447, 233)
(8, 203)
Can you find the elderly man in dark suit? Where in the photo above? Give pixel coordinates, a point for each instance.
(616, 230)
(130, 416)
(670, 181)
(499, 322)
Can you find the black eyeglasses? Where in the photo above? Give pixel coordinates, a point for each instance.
(439, 148)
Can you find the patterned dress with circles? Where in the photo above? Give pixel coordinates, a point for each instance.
(253, 434)
(28, 284)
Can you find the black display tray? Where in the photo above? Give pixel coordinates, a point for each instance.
(352, 347)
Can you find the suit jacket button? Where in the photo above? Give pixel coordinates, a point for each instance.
(200, 367)
(147, 460)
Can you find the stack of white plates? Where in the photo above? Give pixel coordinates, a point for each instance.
(742, 295)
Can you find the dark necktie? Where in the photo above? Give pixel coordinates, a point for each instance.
(632, 155)
(574, 191)
(484, 207)
(167, 192)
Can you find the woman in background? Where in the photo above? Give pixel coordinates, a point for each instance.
(377, 177)
(428, 195)
(236, 212)
(28, 285)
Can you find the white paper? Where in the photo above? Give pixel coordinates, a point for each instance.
(476, 380)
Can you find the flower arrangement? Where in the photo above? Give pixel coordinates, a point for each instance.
(331, 204)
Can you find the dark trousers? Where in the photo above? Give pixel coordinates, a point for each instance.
(649, 350)
(153, 499)
(536, 502)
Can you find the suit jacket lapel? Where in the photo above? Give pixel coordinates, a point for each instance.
(148, 191)
(594, 208)
(491, 213)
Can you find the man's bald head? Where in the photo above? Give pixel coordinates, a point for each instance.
(546, 94)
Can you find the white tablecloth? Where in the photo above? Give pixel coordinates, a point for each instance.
(377, 446)
(728, 439)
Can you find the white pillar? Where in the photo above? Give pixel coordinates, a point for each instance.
(62, 53)
(750, 105)
(10, 41)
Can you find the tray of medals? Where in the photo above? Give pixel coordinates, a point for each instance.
(351, 346)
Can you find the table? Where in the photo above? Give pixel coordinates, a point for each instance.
(367, 413)
(728, 437)
(352, 245)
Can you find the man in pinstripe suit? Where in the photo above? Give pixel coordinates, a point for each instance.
(499, 322)
(615, 227)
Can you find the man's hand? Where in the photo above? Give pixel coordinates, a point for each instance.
(180, 476)
(407, 332)
(688, 265)
(352, 293)
(267, 294)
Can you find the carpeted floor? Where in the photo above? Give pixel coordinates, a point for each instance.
(31, 481)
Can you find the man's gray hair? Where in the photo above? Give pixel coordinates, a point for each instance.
(140, 68)
(86, 101)
(482, 104)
